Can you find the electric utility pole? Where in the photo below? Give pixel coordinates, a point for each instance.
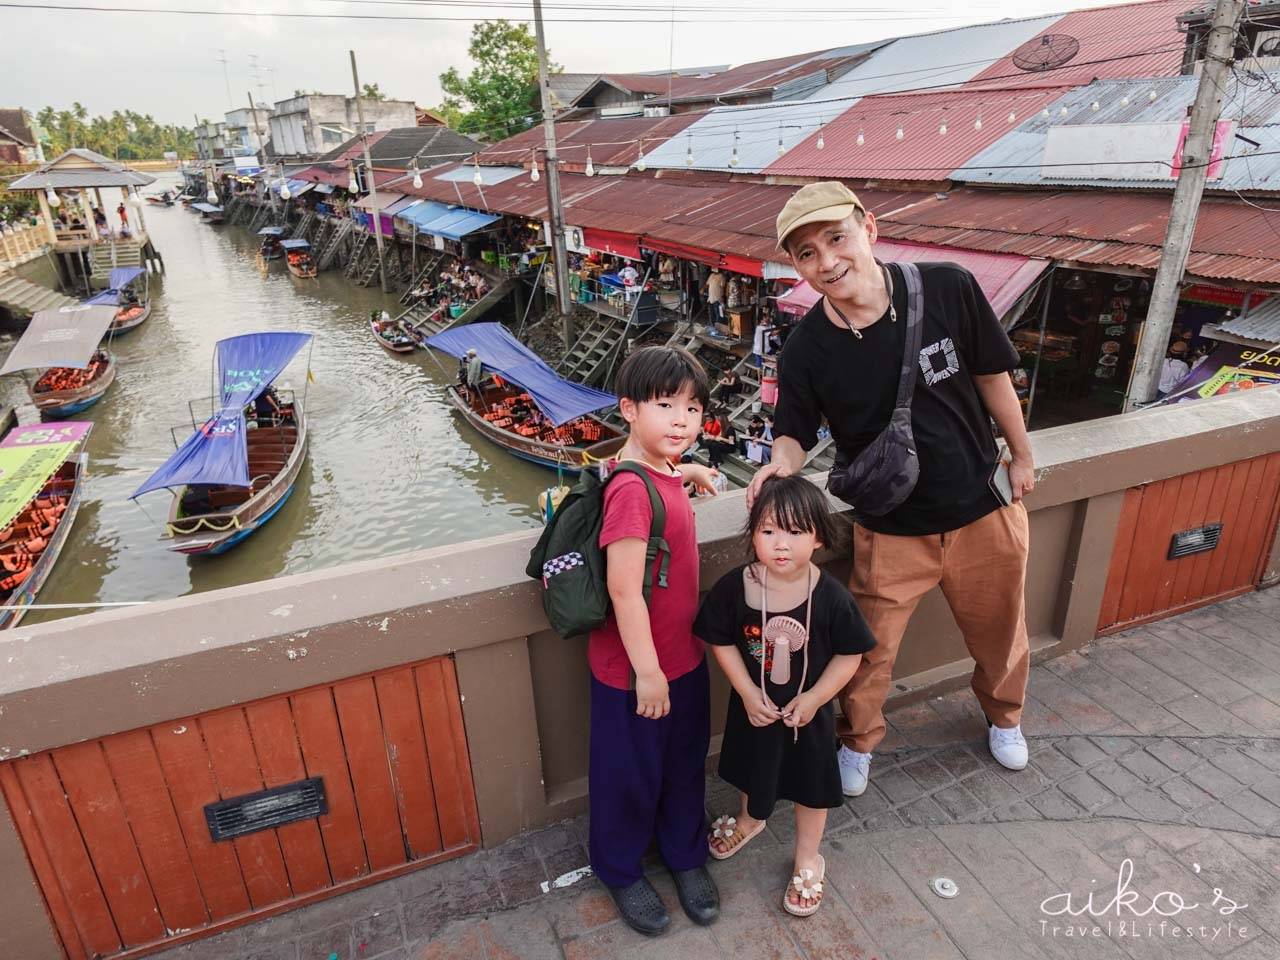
(1196, 154)
(368, 169)
(555, 209)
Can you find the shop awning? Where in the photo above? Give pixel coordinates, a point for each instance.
(681, 250)
(1003, 277)
(499, 351)
(610, 241)
(66, 337)
(748, 266)
(385, 200)
(402, 204)
(442, 220)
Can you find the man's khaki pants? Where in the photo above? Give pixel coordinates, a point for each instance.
(981, 569)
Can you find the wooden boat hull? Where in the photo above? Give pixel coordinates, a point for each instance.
(233, 526)
(303, 273)
(124, 326)
(570, 459)
(25, 594)
(59, 404)
(405, 347)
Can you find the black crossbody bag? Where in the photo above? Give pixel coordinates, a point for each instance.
(883, 475)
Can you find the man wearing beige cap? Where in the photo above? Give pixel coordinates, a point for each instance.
(958, 523)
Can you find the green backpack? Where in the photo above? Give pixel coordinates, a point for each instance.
(569, 562)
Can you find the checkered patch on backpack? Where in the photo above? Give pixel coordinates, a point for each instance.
(560, 564)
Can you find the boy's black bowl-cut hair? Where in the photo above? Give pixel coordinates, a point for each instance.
(652, 372)
(794, 504)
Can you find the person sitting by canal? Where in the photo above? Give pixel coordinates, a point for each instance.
(730, 384)
(720, 437)
(650, 710)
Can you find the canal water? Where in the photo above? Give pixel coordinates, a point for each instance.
(390, 468)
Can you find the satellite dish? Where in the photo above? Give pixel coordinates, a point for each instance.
(1046, 52)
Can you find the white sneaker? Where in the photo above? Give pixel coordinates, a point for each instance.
(1008, 746)
(855, 767)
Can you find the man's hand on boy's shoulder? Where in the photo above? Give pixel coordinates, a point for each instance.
(653, 696)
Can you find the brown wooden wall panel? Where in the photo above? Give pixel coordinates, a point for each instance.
(1143, 584)
(116, 833)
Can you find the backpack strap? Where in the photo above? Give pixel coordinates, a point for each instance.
(915, 333)
(657, 545)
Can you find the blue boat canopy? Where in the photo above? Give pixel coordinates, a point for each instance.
(271, 232)
(107, 298)
(121, 277)
(216, 453)
(506, 356)
(206, 207)
(296, 244)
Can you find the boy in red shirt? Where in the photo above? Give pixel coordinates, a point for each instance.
(650, 698)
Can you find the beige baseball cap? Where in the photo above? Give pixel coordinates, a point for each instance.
(824, 202)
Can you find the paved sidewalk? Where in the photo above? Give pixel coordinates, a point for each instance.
(1158, 748)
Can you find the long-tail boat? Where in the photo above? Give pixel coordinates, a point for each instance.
(63, 344)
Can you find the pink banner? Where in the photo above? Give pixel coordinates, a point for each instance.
(1221, 133)
(39, 434)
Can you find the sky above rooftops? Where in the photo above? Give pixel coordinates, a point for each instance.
(168, 65)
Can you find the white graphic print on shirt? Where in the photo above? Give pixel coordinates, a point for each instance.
(929, 365)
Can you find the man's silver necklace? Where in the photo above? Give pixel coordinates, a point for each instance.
(893, 311)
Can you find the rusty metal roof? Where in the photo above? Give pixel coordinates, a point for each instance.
(923, 153)
(612, 142)
(1126, 40)
(1233, 241)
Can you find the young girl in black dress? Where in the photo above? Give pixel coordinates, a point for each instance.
(788, 637)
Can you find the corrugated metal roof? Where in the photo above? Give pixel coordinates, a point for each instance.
(924, 153)
(352, 149)
(1017, 157)
(79, 167)
(937, 59)
(1262, 323)
(613, 141)
(1232, 240)
(399, 147)
(1109, 38)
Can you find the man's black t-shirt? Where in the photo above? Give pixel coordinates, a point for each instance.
(826, 371)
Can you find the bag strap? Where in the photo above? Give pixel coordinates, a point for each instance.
(915, 332)
(657, 545)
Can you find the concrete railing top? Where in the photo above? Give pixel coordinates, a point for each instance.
(179, 654)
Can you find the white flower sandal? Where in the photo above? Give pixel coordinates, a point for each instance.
(725, 829)
(810, 890)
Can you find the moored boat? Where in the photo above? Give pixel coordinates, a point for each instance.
(235, 471)
(524, 406)
(42, 467)
(297, 254)
(210, 212)
(272, 247)
(389, 334)
(133, 307)
(63, 344)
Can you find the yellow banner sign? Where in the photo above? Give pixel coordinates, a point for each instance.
(23, 471)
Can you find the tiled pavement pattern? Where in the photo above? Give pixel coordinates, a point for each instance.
(1160, 745)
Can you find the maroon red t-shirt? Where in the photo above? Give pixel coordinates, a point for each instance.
(627, 513)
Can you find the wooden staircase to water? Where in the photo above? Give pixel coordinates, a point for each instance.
(333, 241)
(24, 297)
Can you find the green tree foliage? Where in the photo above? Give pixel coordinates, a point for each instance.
(370, 91)
(124, 135)
(499, 97)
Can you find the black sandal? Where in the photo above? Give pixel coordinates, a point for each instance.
(641, 907)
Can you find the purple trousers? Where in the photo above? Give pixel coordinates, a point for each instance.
(647, 779)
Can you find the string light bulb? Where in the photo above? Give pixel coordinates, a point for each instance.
(212, 196)
(1095, 106)
(900, 134)
(1062, 112)
(977, 123)
(352, 185)
(591, 167)
(821, 143)
(1011, 118)
(640, 164)
(1152, 96)
(733, 158)
(861, 139)
(477, 178)
(52, 197)
(1045, 113)
(534, 175)
(1124, 101)
(688, 156)
(942, 128)
(417, 175)
(285, 192)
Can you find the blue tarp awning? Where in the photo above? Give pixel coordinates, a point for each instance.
(107, 298)
(295, 244)
(423, 212)
(442, 220)
(271, 232)
(503, 354)
(123, 276)
(206, 208)
(216, 452)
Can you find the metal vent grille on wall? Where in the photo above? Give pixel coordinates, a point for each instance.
(266, 809)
